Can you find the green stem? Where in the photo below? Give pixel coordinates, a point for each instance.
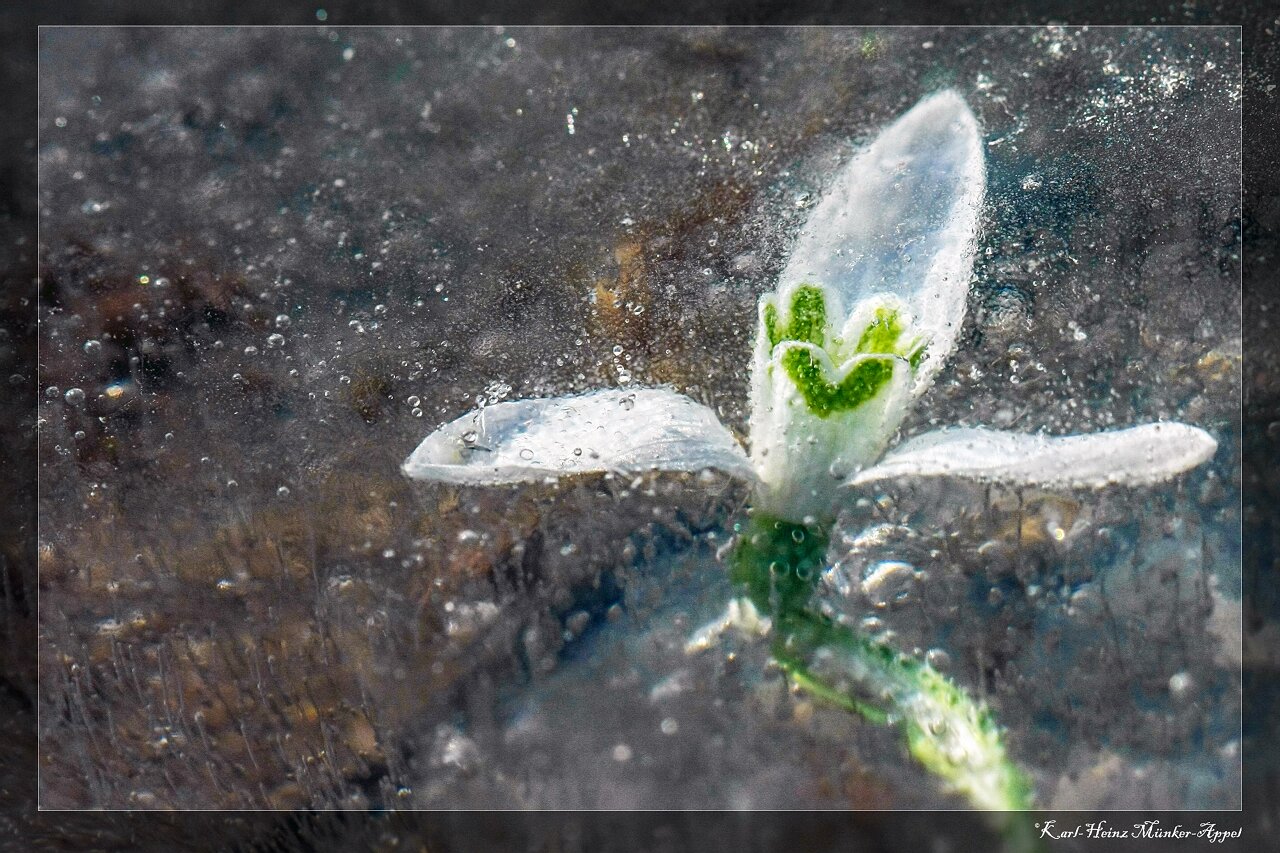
(778, 564)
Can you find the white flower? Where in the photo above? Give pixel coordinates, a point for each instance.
(892, 239)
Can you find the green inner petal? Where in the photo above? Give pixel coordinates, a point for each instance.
(807, 321)
(883, 333)
(807, 318)
(824, 398)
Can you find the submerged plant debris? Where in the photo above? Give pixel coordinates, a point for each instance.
(273, 260)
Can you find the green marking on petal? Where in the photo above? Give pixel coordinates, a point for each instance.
(771, 330)
(883, 332)
(808, 315)
(824, 398)
(806, 318)
(915, 355)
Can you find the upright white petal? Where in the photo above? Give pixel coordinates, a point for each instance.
(1133, 457)
(612, 430)
(902, 218)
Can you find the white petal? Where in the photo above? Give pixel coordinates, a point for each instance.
(1133, 457)
(902, 218)
(613, 430)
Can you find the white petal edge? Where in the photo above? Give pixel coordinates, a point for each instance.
(621, 430)
(902, 217)
(1136, 456)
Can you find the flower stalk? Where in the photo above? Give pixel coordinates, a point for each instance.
(779, 565)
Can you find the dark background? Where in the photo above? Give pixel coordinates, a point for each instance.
(1261, 389)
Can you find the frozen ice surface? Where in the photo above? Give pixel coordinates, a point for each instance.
(273, 260)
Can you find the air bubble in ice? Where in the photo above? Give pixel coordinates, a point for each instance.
(888, 581)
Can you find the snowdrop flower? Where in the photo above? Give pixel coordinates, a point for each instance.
(865, 313)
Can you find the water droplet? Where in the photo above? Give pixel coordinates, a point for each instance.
(469, 437)
(283, 321)
(74, 396)
(526, 454)
(938, 658)
(92, 347)
(52, 392)
(283, 491)
(669, 726)
(622, 752)
(414, 401)
(629, 402)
